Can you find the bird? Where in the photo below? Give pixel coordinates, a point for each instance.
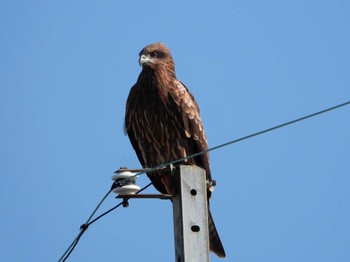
(163, 123)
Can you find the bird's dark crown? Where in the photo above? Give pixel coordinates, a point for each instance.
(159, 50)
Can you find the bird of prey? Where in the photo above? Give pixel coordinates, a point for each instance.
(163, 123)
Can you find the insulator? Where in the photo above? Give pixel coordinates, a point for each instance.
(125, 183)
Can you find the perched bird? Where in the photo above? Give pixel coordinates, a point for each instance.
(163, 123)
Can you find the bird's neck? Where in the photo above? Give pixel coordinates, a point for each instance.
(157, 78)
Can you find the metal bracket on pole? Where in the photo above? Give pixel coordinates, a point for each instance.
(126, 197)
(190, 210)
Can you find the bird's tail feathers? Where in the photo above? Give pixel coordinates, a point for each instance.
(215, 244)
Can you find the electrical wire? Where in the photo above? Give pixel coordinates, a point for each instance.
(85, 226)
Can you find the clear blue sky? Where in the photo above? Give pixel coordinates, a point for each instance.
(66, 68)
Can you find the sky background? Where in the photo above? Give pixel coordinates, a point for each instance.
(66, 68)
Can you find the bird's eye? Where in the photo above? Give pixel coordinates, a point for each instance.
(153, 54)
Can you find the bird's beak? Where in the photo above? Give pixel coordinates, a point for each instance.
(144, 59)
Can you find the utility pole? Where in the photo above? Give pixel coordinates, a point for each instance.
(190, 211)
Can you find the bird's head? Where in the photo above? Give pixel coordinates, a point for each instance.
(156, 56)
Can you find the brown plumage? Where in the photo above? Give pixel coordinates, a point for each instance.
(163, 123)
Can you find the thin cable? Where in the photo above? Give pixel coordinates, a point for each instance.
(110, 210)
(72, 246)
(157, 168)
(83, 228)
(243, 138)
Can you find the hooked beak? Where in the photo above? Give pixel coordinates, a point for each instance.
(144, 59)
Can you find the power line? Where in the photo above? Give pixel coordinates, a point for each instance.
(85, 226)
(258, 133)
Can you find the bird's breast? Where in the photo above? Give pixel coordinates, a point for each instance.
(157, 132)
